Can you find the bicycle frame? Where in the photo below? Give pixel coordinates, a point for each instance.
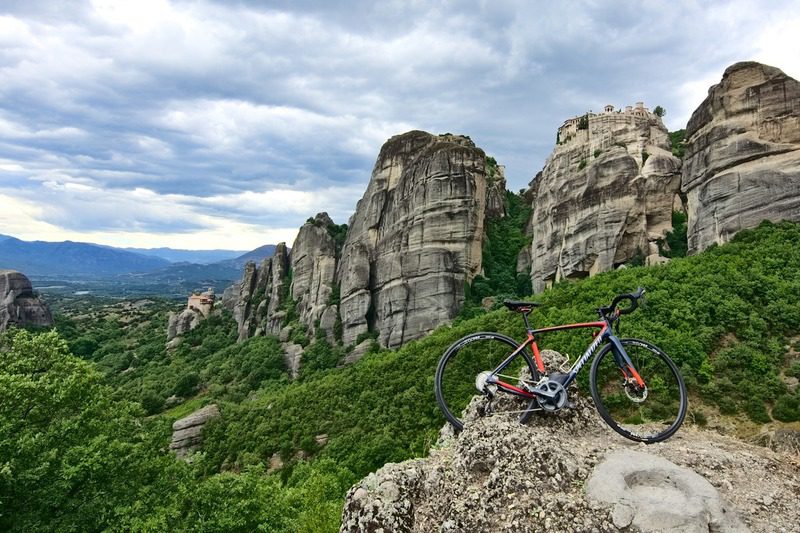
(605, 334)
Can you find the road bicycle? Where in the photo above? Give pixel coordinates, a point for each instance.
(636, 387)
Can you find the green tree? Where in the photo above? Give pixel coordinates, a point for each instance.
(71, 458)
(659, 111)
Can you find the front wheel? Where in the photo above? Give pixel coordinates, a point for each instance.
(649, 413)
(463, 371)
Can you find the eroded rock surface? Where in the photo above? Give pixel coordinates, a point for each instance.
(261, 294)
(313, 261)
(742, 162)
(414, 239)
(652, 494)
(180, 323)
(19, 305)
(604, 197)
(413, 242)
(498, 475)
(187, 433)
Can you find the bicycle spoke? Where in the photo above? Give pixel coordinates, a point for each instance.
(464, 370)
(648, 414)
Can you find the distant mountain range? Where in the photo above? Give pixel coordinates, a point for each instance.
(74, 259)
(200, 257)
(80, 260)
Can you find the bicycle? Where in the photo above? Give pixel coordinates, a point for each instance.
(646, 404)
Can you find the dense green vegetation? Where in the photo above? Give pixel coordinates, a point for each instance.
(724, 316)
(76, 454)
(129, 346)
(675, 244)
(505, 237)
(677, 140)
(72, 458)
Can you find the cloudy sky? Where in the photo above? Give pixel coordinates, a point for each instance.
(226, 124)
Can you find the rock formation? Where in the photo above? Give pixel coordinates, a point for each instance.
(569, 472)
(180, 323)
(742, 162)
(415, 238)
(262, 292)
(604, 197)
(199, 306)
(187, 433)
(413, 241)
(313, 261)
(19, 305)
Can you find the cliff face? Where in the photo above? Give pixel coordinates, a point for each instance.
(604, 196)
(19, 305)
(262, 292)
(313, 262)
(414, 239)
(742, 162)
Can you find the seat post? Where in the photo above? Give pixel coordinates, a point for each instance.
(525, 318)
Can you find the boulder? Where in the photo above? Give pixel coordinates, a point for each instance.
(187, 433)
(292, 356)
(742, 162)
(19, 305)
(180, 323)
(651, 493)
(358, 351)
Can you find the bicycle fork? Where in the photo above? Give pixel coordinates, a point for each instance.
(624, 362)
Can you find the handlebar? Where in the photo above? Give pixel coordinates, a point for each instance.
(633, 297)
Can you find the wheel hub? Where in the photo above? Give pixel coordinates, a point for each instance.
(483, 385)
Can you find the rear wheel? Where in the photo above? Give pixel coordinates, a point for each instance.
(645, 414)
(463, 370)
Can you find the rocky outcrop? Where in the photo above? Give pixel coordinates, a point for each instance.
(415, 238)
(199, 307)
(180, 323)
(604, 197)
(495, 191)
(651, 493)
(742, 162)
(187, 433)
(413, 242)
(567, 471)
(261, 294)
(19, 305)
(313, 262)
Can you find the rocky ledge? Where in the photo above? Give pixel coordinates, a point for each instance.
(569, 472)
(187, 433)
(19, 305)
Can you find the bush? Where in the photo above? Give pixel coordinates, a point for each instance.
(186, 385)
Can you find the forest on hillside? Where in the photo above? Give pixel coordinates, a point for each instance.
(86, 409)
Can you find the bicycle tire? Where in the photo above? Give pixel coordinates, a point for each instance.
(650, 415)
(459, 366)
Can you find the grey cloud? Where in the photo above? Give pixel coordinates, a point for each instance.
(226, 97)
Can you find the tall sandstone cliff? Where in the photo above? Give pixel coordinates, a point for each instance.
(605, 195)
(415, 238)
(19, 305)
(742, 162)
(262, 292)
(413, 242)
